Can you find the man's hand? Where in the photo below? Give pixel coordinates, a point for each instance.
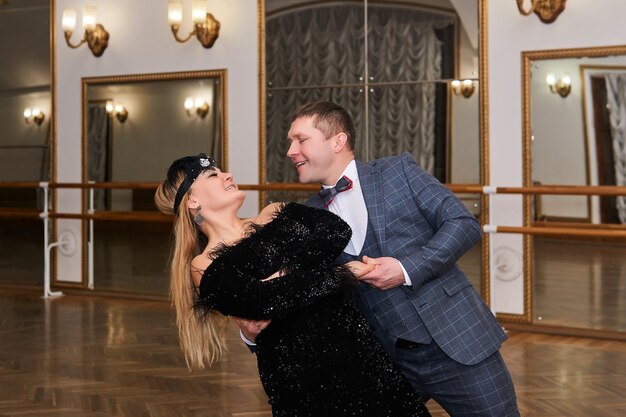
(251, 328)
(387, 273)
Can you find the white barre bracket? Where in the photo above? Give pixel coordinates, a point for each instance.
(490, 228)
(490, 189)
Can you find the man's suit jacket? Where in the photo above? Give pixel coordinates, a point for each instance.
(427, 228)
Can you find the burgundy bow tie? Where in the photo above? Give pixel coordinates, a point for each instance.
(328, 194)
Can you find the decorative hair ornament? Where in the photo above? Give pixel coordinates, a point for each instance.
(193, 166)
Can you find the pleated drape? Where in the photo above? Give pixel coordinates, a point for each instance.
(318, 52)
(616, 92)
(98, 134)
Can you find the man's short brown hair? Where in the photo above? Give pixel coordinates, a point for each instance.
(330, 118)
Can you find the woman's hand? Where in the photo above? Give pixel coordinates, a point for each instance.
(359, 268)
(276, 274)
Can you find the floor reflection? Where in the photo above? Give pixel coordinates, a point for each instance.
(576, 283)
(580, 284)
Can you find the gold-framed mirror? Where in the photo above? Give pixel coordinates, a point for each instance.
(565, 115)
(133, 127)
(346, 53)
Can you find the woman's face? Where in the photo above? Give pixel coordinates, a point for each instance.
(214, 190)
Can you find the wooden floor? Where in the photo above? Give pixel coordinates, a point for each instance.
(95, 356)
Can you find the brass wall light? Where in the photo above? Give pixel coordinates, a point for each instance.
(96, 36)
(562, 86)
(205, 27)
(34, 115)
(117, 110)
(465, 88)
(547, 10)
(198, 104)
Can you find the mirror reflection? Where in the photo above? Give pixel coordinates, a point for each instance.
(147, 120)
(24, 141)
(577, 105)
(133, 128)
(397, 67)
(581, 124)
(397, 80)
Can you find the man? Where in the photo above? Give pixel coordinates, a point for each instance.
(420, 305)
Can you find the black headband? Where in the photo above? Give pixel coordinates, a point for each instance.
(193, 166)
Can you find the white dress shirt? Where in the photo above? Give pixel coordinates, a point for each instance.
(350, 206)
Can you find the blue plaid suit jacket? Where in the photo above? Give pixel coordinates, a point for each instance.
(427, 228)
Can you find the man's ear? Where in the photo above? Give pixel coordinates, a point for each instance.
(340, 142)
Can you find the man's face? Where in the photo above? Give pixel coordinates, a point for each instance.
(311, 152)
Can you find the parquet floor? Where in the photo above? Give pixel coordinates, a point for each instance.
(94, 356)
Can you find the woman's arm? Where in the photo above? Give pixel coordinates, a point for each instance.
(226, 288)
(300, 241)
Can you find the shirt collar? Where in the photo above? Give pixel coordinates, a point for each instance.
(350, 172)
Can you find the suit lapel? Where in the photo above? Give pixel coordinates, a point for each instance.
(371, 185)
(317, 202)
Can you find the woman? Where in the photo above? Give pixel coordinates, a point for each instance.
(317, 357)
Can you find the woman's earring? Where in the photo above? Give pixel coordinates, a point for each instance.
(198, 219)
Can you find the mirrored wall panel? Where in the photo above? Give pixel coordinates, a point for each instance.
(25, 135)
(133, 128)
(407, 71)
(576, 114)
(577, 137)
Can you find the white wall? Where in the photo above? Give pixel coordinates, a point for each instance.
(141, 42)
(584, 23)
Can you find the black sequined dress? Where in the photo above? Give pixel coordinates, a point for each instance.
(318, 357)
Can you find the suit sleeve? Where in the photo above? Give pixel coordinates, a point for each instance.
(456, 230)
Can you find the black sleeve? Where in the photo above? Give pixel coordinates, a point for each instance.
(302, 242)
(316, 236)
(231, 291)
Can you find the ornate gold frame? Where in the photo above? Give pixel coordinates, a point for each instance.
(220, 74)
(483, 85)
(528, 58)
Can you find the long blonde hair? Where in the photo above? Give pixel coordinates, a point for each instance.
(202, 336)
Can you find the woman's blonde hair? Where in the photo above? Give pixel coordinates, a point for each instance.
(202, 336)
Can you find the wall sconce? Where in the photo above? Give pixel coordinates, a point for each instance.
(464, 88)
(547, 10)
(117, 110)
(35, 115)
(200, 104)
(96, 36)
(206, 28)
(562, 86)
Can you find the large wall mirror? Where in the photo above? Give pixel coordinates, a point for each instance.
(575, 102)
(133, 128)
(25, 133)
(408, 72)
